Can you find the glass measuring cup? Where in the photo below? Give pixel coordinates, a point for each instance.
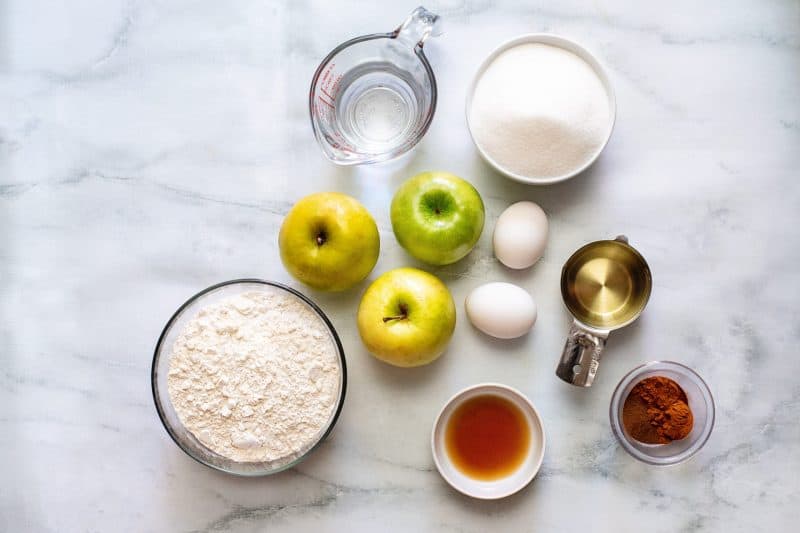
(373, 97)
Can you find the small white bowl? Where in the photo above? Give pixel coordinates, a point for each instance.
(499, 488)
(570, 46)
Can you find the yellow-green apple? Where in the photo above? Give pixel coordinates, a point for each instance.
(329, 241)
(406, 317)
(437, 217)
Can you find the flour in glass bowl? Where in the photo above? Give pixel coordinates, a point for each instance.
(256, 377)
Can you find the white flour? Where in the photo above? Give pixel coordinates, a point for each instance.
(255, 377)
(540, 111)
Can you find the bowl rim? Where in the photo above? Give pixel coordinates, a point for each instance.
(519, 397)
(570, 46)
(616, 423)
(194, 298)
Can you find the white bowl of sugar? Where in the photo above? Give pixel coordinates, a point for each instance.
(540, 109)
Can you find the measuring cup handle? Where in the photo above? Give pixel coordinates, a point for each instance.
(581, 355)
(419, 25)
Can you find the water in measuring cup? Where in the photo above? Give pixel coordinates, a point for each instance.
(377, 107)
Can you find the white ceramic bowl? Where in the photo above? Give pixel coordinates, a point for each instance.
(500, 488)
(566, 44)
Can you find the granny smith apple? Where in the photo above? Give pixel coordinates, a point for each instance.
(437, 217)
(406, 317)
(329, 241)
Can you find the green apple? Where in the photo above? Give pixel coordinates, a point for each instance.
(329, 241)
(406, 317)
(437, 217)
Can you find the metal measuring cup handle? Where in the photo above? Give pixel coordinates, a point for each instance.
(581, 355)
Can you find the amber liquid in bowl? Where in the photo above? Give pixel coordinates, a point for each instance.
(487, 437)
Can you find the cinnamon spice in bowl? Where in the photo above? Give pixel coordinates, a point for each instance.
(657, 411)
(662, 412)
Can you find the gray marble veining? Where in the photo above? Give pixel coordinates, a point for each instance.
(149, 149)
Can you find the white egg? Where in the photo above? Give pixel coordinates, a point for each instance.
(520, 235)
(501, 310)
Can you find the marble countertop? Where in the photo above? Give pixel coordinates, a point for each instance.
(149, 149)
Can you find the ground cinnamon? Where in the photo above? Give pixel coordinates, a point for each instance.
(657, 411)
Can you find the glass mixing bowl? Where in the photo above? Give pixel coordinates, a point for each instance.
(700, 402)
(161, 360)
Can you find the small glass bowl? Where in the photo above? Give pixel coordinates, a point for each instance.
(700, 402)
(161, 360)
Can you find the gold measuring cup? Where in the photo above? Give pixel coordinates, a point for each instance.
(605, 286)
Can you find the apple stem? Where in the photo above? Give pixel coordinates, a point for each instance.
(402, 316)
(321, 238)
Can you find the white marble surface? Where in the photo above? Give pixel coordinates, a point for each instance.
(149, 149)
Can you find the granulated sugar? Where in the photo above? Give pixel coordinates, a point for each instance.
(255, 377)
(540, 111)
